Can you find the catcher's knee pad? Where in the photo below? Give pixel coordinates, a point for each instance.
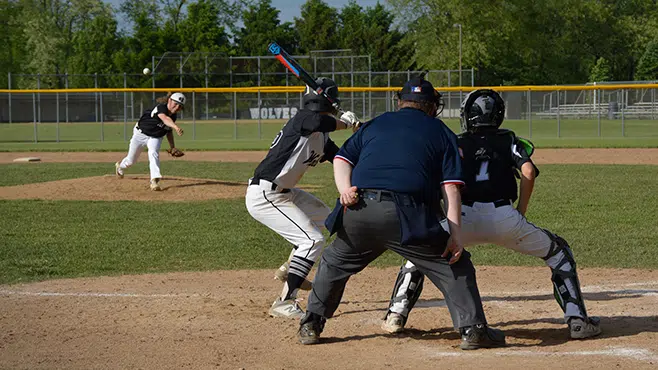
(566, 287)
(408, 286)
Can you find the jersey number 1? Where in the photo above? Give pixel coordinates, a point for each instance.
(483, 175)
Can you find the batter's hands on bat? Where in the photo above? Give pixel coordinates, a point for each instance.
(349, 118)
(454, 249)
(349, 196)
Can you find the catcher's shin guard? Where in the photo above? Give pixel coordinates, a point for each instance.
(566, 287)
(408, 286)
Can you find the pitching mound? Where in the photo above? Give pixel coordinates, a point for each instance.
(107, 188)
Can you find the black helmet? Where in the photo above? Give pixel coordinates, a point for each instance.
(319, 103)
(480, 109)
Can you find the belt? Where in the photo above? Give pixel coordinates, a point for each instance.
(267, 185)
(388, 196)
(497, 203)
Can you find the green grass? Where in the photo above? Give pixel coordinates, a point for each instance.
(248, 135)
(607, 213)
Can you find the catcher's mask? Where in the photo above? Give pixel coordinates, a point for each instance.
(420, 90)
(481, 109)
(319, 103)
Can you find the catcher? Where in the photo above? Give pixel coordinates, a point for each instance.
(491, 157)
(152, 126)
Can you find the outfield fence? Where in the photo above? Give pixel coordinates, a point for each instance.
(622, 110)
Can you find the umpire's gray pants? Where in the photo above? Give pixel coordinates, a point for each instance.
(370, 228)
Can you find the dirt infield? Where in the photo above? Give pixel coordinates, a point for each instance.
(219, 320)
(541, 156)
(204, 320)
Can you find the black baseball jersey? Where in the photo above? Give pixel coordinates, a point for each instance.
(303, 141)
(152, 125)
(490, 161)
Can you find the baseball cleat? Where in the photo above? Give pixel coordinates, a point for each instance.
(155, 185)
(282, 275)
(288, 309)
(580, 328)
(394, 323)
(309, 333)
(117, 170)
(481, 336)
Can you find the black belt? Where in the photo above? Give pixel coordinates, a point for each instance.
(497, 203)
(274, 186)
(388, 196)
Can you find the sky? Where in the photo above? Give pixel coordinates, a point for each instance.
(289, 8)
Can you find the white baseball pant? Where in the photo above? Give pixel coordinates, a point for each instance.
(295, 215)
(137, 143)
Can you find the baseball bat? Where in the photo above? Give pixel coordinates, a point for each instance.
(299, 71)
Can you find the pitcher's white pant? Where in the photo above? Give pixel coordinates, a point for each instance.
(296, 215)
(137, 143)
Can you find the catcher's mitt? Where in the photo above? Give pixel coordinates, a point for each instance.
(175, 152)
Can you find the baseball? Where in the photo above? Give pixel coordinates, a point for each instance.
(147, 71)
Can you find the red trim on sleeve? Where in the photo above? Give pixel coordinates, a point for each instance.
(344, 160)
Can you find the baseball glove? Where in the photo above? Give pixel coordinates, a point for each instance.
(175, 152)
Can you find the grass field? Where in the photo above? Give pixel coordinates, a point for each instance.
(607, 213)
(249, 135)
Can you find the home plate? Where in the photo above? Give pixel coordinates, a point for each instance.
(28, 159)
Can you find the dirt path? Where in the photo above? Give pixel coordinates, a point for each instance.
(541, 156)
(219, 320)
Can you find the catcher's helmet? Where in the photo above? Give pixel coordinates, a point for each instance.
(482, 109)
(420, 90)
(319, 103)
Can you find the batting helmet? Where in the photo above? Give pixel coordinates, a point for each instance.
(482, 109)
(319, 103)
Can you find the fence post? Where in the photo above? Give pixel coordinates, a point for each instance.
(558, 113)
(388, 93)
(125, 107)
(34, 116)
(529, 113)
(153, 75)
(96, 99)
(235, 115)
(194, 115)
(624, 101)
(57, 113)
(100, 97)
(66, 96)
(598, 110)
(9, 83)
(39, 98)
(206, 77)
(449, 97)
(258, 105)
(351, 81)
(370, 85)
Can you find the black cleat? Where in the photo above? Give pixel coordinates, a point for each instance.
(481, 336)
(309, 333)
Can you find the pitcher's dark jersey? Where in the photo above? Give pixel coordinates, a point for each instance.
(152, 125)
(490, 161)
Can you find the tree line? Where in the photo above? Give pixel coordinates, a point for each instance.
(509, 42)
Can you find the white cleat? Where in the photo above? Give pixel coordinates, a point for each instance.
(584, 328)
(155, 185)
(117, 170)
(394, 323)
(288, 309)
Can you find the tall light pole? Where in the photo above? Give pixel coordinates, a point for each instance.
(459, 25)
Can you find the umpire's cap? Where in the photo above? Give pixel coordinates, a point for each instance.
(419, 89)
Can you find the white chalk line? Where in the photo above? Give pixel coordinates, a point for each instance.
(639, 354)
(586, 289)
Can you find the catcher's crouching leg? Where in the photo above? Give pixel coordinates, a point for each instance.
(407, 289)
(566, 289)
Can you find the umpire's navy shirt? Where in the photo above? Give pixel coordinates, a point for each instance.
(405, 152)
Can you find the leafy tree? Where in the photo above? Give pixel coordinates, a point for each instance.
(647, 68)
(317, 26)
(601, 71)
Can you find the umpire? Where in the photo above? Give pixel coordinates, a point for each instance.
(389, 174)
